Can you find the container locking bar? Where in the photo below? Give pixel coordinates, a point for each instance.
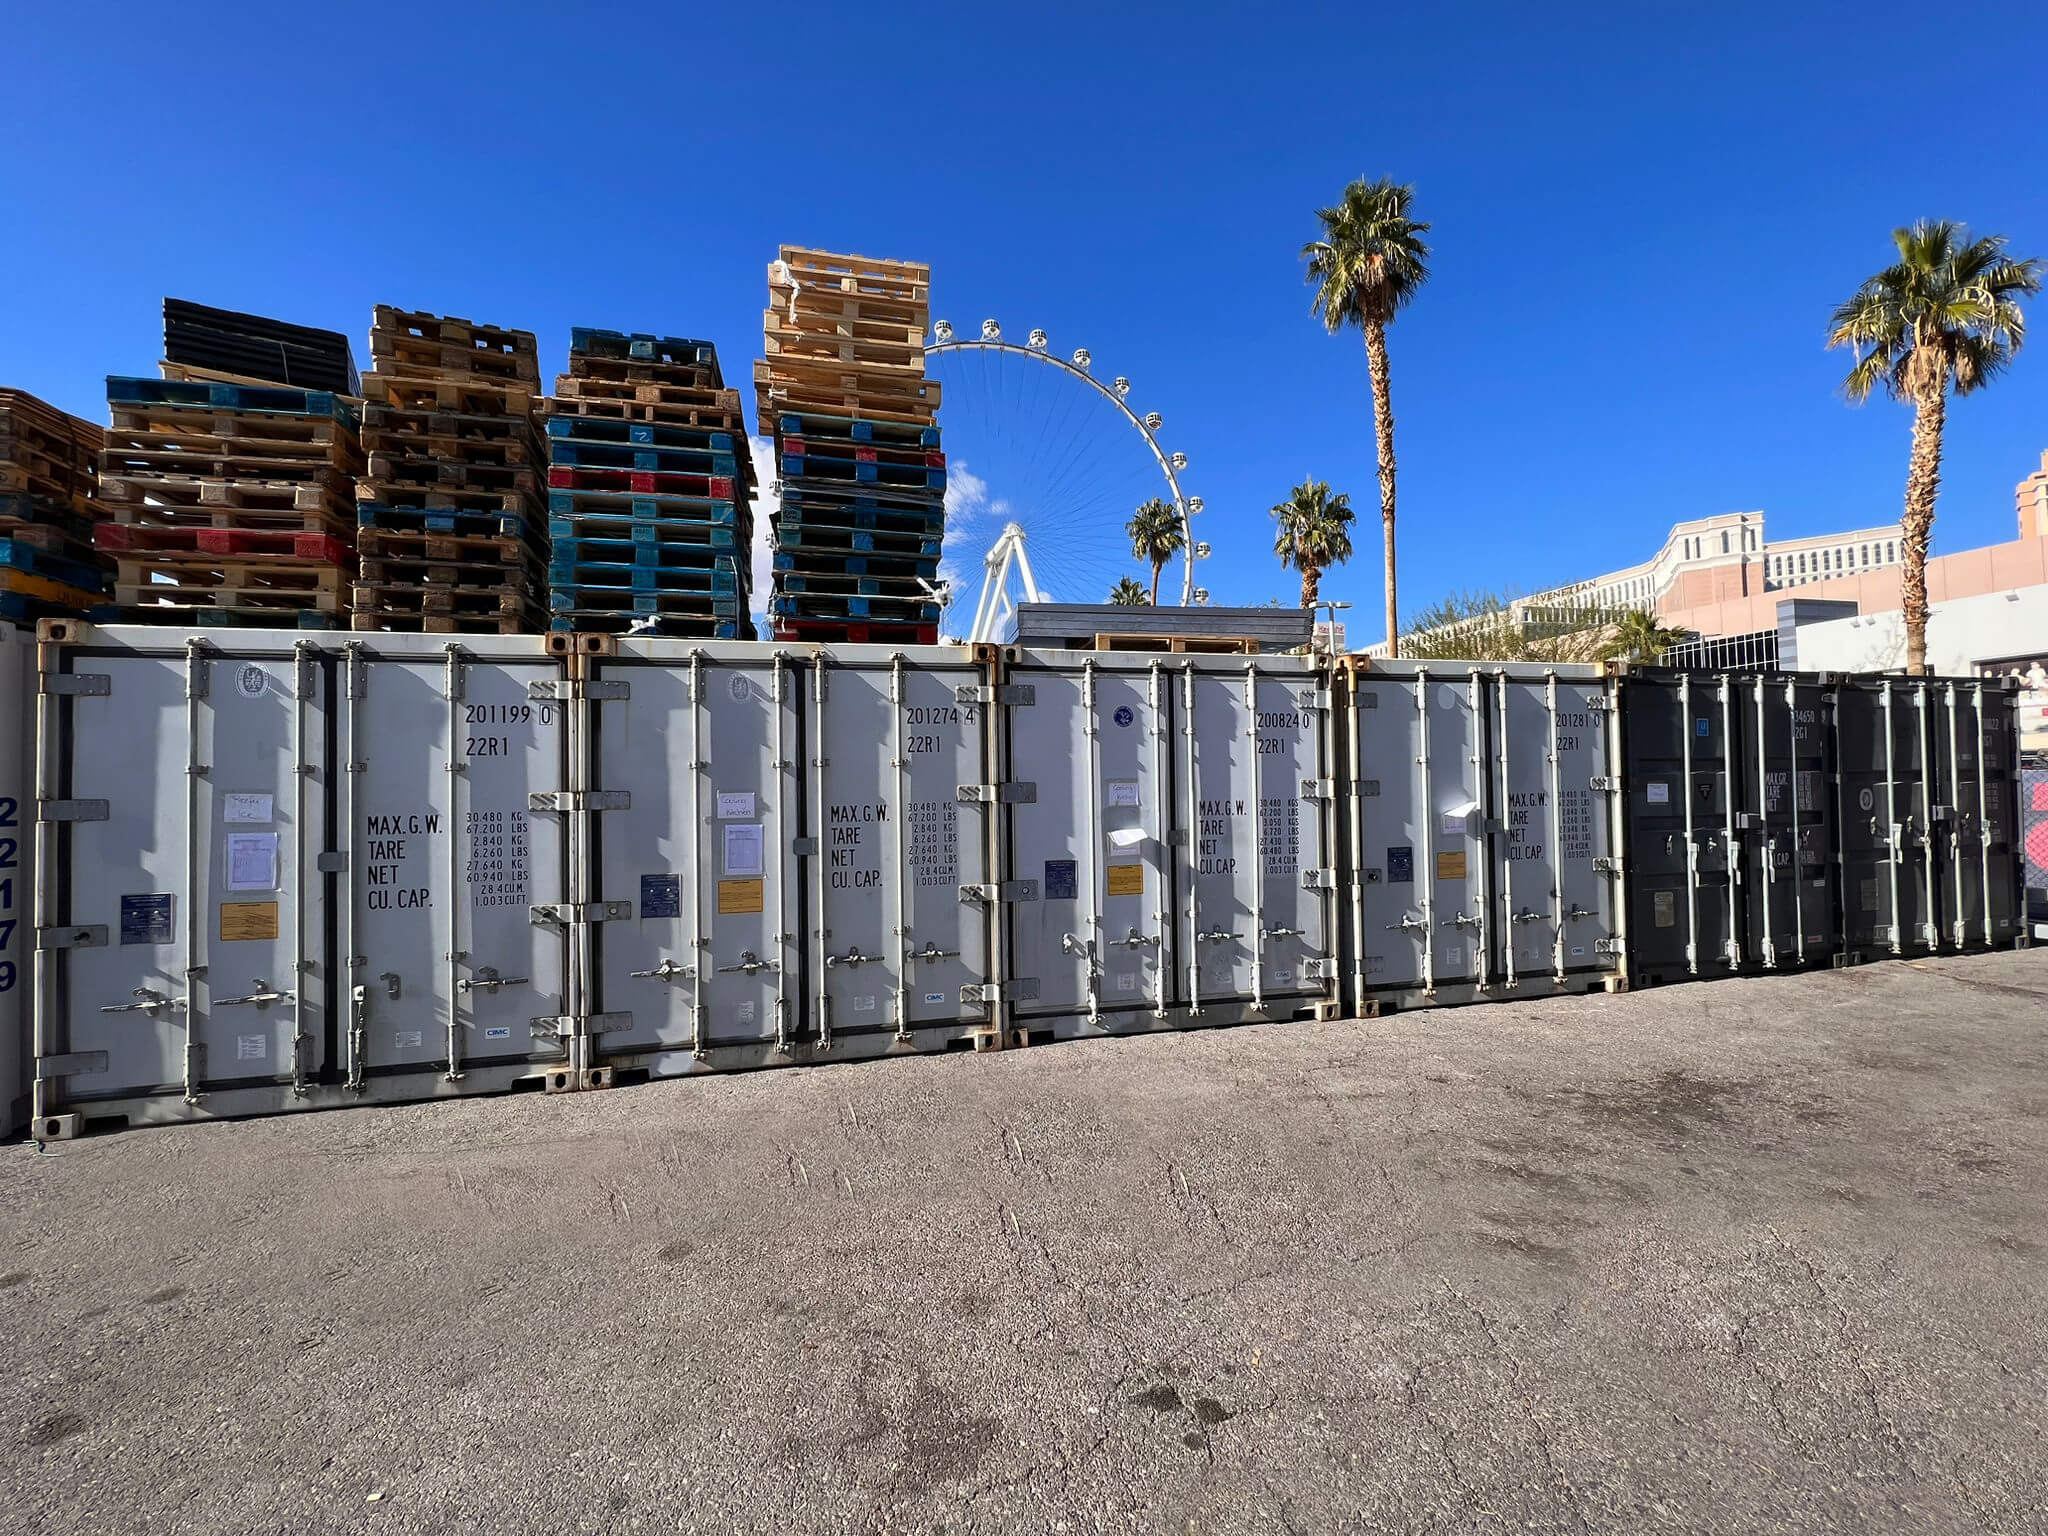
(264, 995)
(151, 1001)
(572, 800)
(931, 954)
(562, 912)
(668, 970)
(1020, 792)
(72, 936)
(487, 979)
(748, 963)
(1009, 890)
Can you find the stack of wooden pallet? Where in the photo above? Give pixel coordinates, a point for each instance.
(650, 490)
(449, 508)
(49, 505)
(229, 503)
(843, 387)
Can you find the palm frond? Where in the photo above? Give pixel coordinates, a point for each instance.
(1371, 260)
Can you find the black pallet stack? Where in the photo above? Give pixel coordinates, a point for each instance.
(227, 344)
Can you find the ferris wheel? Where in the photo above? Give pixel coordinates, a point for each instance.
(1043, 473)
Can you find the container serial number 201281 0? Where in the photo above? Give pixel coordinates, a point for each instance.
(10, 859)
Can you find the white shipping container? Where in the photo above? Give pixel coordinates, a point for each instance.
(1483, 831)
(17, 850)
(1169, 826)
(787, 853)
(286, 871)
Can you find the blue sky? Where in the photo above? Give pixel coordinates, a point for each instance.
(1642, 217)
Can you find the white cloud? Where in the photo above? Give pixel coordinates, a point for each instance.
(766, 502)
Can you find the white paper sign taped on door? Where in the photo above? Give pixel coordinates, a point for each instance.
(1120, 792)
(738, 804)
(248, 810)
(743, 848)
(252, 861)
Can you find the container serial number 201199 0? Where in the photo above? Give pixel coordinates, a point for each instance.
(10, 860)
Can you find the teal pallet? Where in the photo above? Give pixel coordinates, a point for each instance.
(855, 429)
(122, 390)
(17, 556)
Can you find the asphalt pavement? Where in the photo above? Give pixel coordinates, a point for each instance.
(1759, 1255)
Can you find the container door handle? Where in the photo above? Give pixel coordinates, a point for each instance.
(151, 1001)
(749, 962)
(488, 980)
(1216, 936)
(1137, 940)
(852, 957)
(665, 970)
(1408, 922)
(932, 954)
(1280, 933)
(1528, 915)
(262, 997)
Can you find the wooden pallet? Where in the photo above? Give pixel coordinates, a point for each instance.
(401, 598)
(143, 540)
(420, 345)
(523, 501)
(405, 468)
(167, 498)
(205, 432)
(719, 410)
(459, 396)
(394, 623)
(508, 440)
(138, 457)
(481, 550)
(28, 585)
(327, 514)
(850, 341)
(829, 271)
(520, 578)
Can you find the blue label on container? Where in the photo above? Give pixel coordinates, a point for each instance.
(146, 919)
(498, 1032)
(1061, 881)
(1400, 866)
(1124, 714)
(661, 895)
(1700, 729)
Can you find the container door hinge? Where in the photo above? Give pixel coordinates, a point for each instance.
(72, 936)
(1318, 789)
(48, 1067)
(333, 862)
(1607, 866)
(1604, 783)
(1319, 879)
(73, 810)
(1009, 890)
(1318, 970)
(1014, 694)
(570, 800)
(1609, 947)
(560, 913)
(79, 685)
(973, 693)
(803, 847)
(1020, 792)
(1022, 989)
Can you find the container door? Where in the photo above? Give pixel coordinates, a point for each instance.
(1458, 829)
(1885, 868)
(1679, 826)
(1391, 924)
(890, 744)
(17, 881)
(1252, 738)
(1094, 741)
(1553, 911)
(699, 866)
(1787, 846)
(1980, 901)
(209, 969)
(456, 972)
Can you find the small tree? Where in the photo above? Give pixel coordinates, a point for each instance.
(1314, 534)
(1635, 635)
(1156, 537)
(1128, 594)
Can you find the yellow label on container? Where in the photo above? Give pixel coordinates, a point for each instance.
(1126, 879)
(248, 920)
(1450, 866)
(738, 896)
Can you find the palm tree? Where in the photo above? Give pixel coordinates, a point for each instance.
(1128, 594)
(1637, 636)
(1156, 537)
(1315, 534)
(1370, 262)
(1945, 316)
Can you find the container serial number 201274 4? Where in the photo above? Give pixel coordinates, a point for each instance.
(10, 860)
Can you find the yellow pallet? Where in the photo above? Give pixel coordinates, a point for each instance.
(49, 591)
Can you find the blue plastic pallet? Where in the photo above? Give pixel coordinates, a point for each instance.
(593, 599)
(122, 390)
(15, 555)
(889, 519)
(833, 496)
(23, 609)
(697, 625)
(807, 467)
(609, 429)
(828, 605)
(853, 429)
(641, 506)
(926, 566)
(588, 576)
(603, 527)
(648, 552)
(683, 461)
(860, 540)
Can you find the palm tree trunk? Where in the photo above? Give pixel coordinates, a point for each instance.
(1383, 426)
(1923, 481)
(1311, 580)
(1157, 567)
